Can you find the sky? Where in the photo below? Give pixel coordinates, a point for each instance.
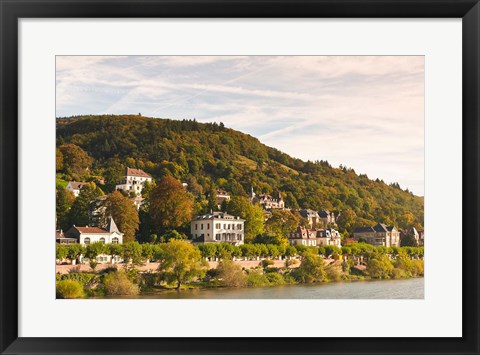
(364, 112)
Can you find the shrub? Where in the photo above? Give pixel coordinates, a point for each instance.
(379, 267)
(399, 274)
(118, 283)
(417, 267)
(256, 279)
(275, 279)
(310, 270)
(69, 289)
(230, 274)
(266, 263)
(81, 277)
(333, 272)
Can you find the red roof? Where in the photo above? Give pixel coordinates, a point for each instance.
(91, 230)
(137, 172)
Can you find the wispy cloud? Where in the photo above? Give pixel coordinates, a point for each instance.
(365, 112)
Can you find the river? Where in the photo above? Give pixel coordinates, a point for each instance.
(385, 289)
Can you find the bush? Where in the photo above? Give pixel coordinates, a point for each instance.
(310, 270)
(230, 274)
(256, 279)
(69, 289)
(83, 278)
(399, 274)
(379, 267)
(275, 279)
(118, 283)
(333, 272)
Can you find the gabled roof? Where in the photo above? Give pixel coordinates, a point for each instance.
(76, 185)
(380, 227)
(307, 213)
(91, 230)
(137, 172)
(324, 213)
(363, 230)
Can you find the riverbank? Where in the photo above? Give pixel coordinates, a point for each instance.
(412, 288)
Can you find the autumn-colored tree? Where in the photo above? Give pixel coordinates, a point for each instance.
(346, 220)
(124, 213)
(170, 205)
(75, 160)
(82, 207)
(58, 160)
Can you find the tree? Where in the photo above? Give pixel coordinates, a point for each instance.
(253, 215)
(75, 160)
(114, 250)
(230, 274)
(346, 220)
(132, 253)
(58, 160)
(124, 213)
(181, 262)
(170, 205)
(94, 250)
(282, 223)
(82, 208)
(64, 201)
(408, 240)
(310, 270)
(74, 251)
(379, 267)
(61, 252)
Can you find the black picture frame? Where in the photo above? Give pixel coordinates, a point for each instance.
(12, 11)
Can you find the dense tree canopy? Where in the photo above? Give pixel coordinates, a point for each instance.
(209, 156)
(123, 212)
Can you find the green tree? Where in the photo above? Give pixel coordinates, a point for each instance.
(408, 240)
(282, 223)
(74, 251)
(379, 267)
(61, 252)
(253, 215)
(170, 205)
(311, 269)
(181, 262)
(58, 160)
(124, 213)
(230, 274)
(114, 250)
(82, 208)
(132, 253)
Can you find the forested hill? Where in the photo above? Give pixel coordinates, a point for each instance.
(209, 156)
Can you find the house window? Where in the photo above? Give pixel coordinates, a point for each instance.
(86, 240)
(239, 236)
(218, 226)
(218, 237)
(115, 240)
(224, 226)
(102, 240)
(208, 225)
(228, 226)
(239, 226)
(201, 226)
(196, 226)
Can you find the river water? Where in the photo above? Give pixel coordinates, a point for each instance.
(386, 289)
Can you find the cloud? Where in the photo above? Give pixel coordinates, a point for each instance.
(365, 112)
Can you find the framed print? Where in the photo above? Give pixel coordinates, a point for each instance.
(239, 177)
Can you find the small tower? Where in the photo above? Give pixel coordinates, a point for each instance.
(252, 194)
(111, 226)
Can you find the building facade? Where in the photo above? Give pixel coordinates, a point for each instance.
(134, 181)
(88, 235)
(328, 217)
(379, 235)
(311, 215)
(329, 236)
(303, 236)
(218, 227)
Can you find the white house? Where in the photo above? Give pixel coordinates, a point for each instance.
(134, 181)
(303, 236)
(87, 235)
(328, 236)
(217, 227)
(75, 187)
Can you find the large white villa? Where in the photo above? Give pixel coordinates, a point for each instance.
(134, 181)
(218, 227)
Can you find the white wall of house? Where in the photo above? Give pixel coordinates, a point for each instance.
(216, 230)
(133, 183)
(107, 238)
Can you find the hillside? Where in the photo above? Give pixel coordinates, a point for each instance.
(208, 156)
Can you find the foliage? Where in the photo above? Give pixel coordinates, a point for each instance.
(379, 267)
(124, 213)
(253, 215)
(257, 279)
(83, 278)
(64, 201)
(282, 223)
(74, 160)
(230, 274)
(69, 289)
(310, 270)
(132, 253)
(118, 284)
(235, 161)
(180, 262)
(82, 208)
(170, 205)
(61, 251)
